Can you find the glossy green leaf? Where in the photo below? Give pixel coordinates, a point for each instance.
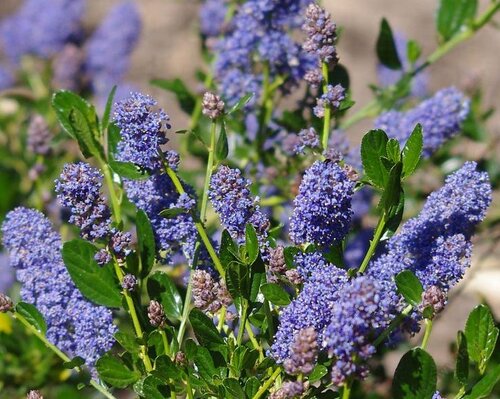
(165, 369)
(233, 389)
(146, 243)
(222, 147)
(152, 387)
(32, 316)
(238, 280)
(410, 287)
(393, 150)
(64, 101)
(391, 196)
(462, 363)
(161, 286)
(481, 335)
(171, 213)
(485, 385)
(241, 103)
(204, 330)
(412, 151)
(275, 294)
(452, 15)
(77, 361)
(96, 283)
(205, 364)
(107, 110)
(185, 98)
(85, 134)
(252, 386)
(373, 148)
(128, 342)
(318, 373)
(114, 372)
(415, 376)
(251, 243)
(386, 47)
(257, 277)
(228, 249)
(127, 170)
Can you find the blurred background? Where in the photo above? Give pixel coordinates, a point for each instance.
(168, 48)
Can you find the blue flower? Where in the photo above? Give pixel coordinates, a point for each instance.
(322, 213)
(441, 117)
(212, 15)
(74, 325)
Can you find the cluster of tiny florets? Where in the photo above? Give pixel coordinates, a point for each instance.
(39, 136)
(212, 105)
(322, 212)
(441, 117)
(304, 352)
(330, 99)
(289, 390)
(129, 282)
(74, 325)
(321, 33)
(6, 304)
(156, 314)
(209, 294)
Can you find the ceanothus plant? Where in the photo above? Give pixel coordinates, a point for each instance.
(258, 275)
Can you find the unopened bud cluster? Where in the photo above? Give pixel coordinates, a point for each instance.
(212, 105)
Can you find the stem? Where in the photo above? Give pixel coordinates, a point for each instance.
(166, 345)
(199, 226)
(189, 389)
(243, 322)
(377, 235)
(254, 341)
(267, 384)
(135, 320)
(346, 391)
(187, 303)
(427, 333)
(222, 318)
(372, 108)
(115, 203)
(382, 337)
(208, 173)
(59, 353)
(328, 110)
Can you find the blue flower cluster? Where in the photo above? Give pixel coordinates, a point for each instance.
(322, 213)
(110, 46)
(441, 117)
(142, 131)
(212, 15)
(41, 28)
(74, 325)
(79, 189)
(331, 98)
(261, 30)
(230, 196)
(436, 244)
(321, 34)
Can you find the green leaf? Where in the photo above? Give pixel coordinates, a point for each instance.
(233, 389)
(171, 213)
(85, 135)
(205, 331)
(186, 99)
(96, 283)
(241, 103)
(205, 364)
(251, 243)
(481, 335)
(393, 150)
(346, 104)
(373, 148)
(413, 51)
(114, 137)
(415, 376)
(392, 192)
(318, 373)
(410, 287)
(77, 361)
(386, 47)
(257, 277)
(452, 15)
(252, 386)
(485, 385)
(128, 342)
(290, 253)
(107, 110)
(462, 363)
(222, 148)
(238, 280)
(166, 369)
(228, 249)
(32, 316)
(275, 294)
(160, 286)
(64, 101)
(146, 244)
(150, 388)
(412, 151)
(127, 170)
(115, 373)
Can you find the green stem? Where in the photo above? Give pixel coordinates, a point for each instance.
(166, 345)
(254, 341)
(346, 392)
(373, 108)
(382, 337)
(328, 111)
(263, 389)
(187, 306)
(269, 317)
(135, 320)
(377, 235)
(115, 203)
(59, 353)
(208, 173)
(189, 389)
(427, 333)
(243, 321)
(222, 318)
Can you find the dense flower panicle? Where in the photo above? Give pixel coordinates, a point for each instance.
(142, 131)
(322, 212)
(261, 30)
(433, 298)
(441, 117)
(120, 243)
(6, 304)
(436, 244)
(212, 16)
(332, 98)
(67, 68)
(230, 196)
(41, 28)
(289, 390)
(75, 325)
(209, 295)
(314, 77)
(212, 105)
(312, 308)
(102, 257)
(307, 138)
(34, 395)
(110, 47)
(79, 189)
(321, 33)
(155, 194)
(156, 314)
(304, 352)
(276, 260)
(129, 282)
(39, 136)
(388, 77)
(364, 308)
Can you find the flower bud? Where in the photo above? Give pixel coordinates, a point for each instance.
(212, 105)
(6, 304)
